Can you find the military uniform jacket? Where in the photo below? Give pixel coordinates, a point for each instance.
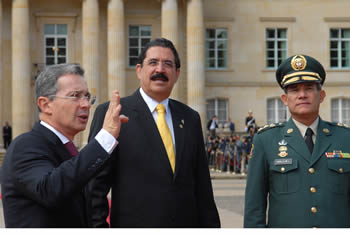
(300, 190)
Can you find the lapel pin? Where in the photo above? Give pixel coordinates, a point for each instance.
(325, 130)
(183, 121)
(290, 130)
(181, 126)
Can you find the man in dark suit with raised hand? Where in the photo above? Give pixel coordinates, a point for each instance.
(43, 173)
(159, 175)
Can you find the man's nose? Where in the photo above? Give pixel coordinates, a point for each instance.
(85, 103)
(302, 93)
(160, 67)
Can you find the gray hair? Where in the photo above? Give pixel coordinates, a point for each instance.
(46, 82)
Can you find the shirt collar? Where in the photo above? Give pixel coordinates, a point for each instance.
(152, 104)
(302, 127)
(58, 134)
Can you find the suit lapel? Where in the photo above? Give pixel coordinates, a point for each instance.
(179, 132)
(144, 119)
(322, 143)
(60, 148)
(295, 140)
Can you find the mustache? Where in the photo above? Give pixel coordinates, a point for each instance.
(159, 75)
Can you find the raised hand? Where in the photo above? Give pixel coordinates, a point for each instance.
(113, 120)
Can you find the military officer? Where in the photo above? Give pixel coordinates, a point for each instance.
(300, 169)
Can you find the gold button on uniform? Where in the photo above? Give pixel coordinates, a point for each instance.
(340, 170)
(283, 169)
(313, 189)
(313, 209)
(311, 170)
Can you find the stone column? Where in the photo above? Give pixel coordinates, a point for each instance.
(90, 51)
(116, 47)
(196, 58)
(21, 89)
(170, 31)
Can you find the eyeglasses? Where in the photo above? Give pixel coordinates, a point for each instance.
(77, 96)
(155, 62)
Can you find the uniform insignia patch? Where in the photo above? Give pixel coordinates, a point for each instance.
(283, 148)
(283, 154)
(283, 142)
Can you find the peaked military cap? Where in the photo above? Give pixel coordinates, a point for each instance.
(300, 69)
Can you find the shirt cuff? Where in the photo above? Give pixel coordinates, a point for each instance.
(106, 140)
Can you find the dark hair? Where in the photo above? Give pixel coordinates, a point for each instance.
(318, 88)
(161, 42)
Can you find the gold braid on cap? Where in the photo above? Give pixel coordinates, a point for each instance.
(307, 76)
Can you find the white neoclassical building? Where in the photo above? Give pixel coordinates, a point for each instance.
(229, 51)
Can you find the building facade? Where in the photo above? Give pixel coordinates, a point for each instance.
(229, 50)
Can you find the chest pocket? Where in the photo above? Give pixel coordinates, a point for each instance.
(284, 178)
(338, 175)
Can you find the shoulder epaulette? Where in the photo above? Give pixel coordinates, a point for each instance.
(270, 126)
(339, 125)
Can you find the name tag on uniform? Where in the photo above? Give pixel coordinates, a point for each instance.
(283, 161)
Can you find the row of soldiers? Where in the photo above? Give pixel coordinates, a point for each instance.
(229, 154)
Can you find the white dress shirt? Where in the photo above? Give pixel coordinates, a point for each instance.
(104, 138)
(152, 104)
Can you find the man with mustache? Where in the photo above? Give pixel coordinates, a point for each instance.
(300, 169)
(159, 174)
(43, 174)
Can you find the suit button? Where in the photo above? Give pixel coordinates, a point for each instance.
(340, 170)
(313, 189)
(313, 209)
(283, 169)
(311, 170)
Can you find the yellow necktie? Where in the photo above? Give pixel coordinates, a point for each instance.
(165, 134)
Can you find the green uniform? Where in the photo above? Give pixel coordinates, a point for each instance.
(299, 189)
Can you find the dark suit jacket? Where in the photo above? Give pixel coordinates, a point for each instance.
(209, 124)
(283, 172)
(42, 185)
(145, 191)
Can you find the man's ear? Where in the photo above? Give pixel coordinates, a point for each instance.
(284, 99)
(45, 105)
(322, 95)
(138, 71)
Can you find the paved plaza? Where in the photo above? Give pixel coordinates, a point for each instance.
(229, 197)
